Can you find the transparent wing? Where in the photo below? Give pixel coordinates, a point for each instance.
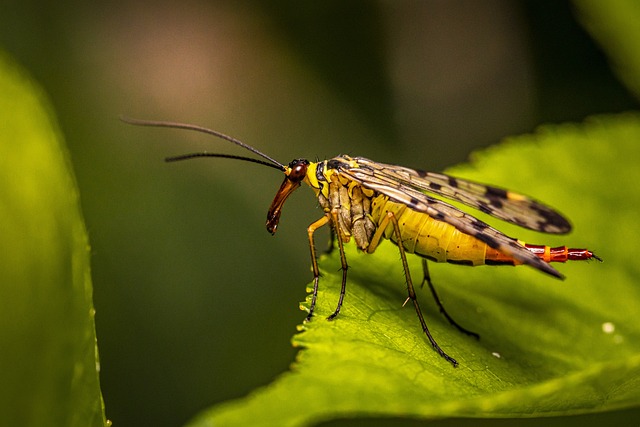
(376, 176)
(498, 202)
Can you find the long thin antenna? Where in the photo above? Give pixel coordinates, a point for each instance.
(187, 126)
(224, 156)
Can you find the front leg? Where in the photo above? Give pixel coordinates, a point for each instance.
(333, 217)
(314, 260)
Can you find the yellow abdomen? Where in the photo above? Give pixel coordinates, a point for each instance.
(427, 237)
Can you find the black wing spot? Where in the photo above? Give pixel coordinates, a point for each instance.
(495, 192)
(453, 182)
(496, 196)
(490, 241)
(483, 207)
(439, 216)
(495, 202)
(479, 225)
(551, 219)
(434, 186)
(414, 203)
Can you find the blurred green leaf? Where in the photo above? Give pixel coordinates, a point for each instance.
(49, 358)
(547, 347)
(614, 24)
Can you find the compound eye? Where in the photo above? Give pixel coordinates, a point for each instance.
(298, 170)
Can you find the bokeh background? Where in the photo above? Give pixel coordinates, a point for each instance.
(196, 302)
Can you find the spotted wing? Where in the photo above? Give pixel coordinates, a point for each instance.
(377, 177)
(498, 202)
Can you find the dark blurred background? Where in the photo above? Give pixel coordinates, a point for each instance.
(196, 302)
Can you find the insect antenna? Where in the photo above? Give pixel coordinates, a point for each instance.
(176, 125)
(224, 156)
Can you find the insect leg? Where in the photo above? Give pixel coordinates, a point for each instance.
(427, 279)
(314, 260)
(410, 289)
(343, 261)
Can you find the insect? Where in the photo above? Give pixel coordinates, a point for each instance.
(370, 201)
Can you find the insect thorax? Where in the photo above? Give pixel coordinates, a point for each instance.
(348, 199)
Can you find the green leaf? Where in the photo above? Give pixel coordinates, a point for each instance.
(614, 24)
(49, 362)
(547, 347)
